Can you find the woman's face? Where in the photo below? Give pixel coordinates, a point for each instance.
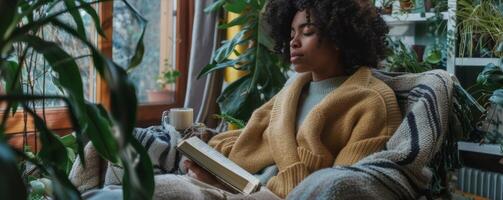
(307, 52)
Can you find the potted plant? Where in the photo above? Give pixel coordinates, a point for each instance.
(406, 5)
(166, 87)
(402, 59)
(387, 7)
(265, 70)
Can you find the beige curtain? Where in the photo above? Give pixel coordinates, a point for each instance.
(201, 94)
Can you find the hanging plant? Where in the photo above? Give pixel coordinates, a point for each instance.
(265, 71)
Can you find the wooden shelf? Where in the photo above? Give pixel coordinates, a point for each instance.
(410, 18)
(476, 61)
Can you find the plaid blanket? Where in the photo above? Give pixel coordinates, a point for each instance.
(401, 170)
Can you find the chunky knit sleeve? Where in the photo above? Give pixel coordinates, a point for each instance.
(223, 142)
(373, 128)
(248, 147)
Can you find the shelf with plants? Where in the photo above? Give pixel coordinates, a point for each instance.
(410, 18)
(476, 38)
(461, 62)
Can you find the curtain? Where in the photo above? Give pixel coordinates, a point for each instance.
(201, 94)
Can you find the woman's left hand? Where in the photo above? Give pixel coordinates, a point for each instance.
(199, 173)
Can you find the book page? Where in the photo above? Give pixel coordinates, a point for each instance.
(219, 165)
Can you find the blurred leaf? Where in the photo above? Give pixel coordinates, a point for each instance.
(100, 134)
(11, 183)
(10, 72)
(63, 189)
(214, 6)
(53, 151)
(69, 141)
(140, 47)
(94, 15)
(62, 64)
(138, 176)
(8, 9)
(76, 16)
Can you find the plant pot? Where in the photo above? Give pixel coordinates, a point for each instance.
(406, 5)
(419, 50)
(161, 96)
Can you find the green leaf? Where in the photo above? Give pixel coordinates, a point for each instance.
(69, 141)
(235, 6)
(76, 16)
(7, 24)
(228, 46)
(236, 122)
(140, 47)
(62, 188)
(11, 183)
(138, 176)
(63, 64)
(240, 99)
(11, 72)
(94, 15)
(243, 58)
(242, 19)
(214, 6)
(100, 134)
(53, 151)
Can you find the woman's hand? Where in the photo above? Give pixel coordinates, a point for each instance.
(199, 173)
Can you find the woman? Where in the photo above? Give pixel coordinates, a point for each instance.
(334, 112)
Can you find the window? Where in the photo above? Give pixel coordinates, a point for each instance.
(158, 41)
(160, 53)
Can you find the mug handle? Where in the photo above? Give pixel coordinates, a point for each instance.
(165, 119)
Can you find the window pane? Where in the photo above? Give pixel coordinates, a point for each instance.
(37, 75)
(158, 41)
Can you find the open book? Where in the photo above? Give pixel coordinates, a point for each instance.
(224, 169)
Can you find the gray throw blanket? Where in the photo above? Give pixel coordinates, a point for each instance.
(399, 171)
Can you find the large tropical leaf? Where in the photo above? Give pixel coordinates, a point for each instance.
(240, 98)
(265, 77)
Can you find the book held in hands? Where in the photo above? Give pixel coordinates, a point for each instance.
(224, 169)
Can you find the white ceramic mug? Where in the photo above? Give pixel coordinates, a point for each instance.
(180, 118)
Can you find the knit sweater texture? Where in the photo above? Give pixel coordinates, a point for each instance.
(313, 93)
(350, 123)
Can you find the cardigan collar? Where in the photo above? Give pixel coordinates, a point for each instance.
(282, 122)
(289, 103)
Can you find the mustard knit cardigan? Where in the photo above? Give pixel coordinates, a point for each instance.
(351, 122)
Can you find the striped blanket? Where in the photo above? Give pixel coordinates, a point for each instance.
(401, 170)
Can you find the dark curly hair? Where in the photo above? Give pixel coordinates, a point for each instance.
(354, 26)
